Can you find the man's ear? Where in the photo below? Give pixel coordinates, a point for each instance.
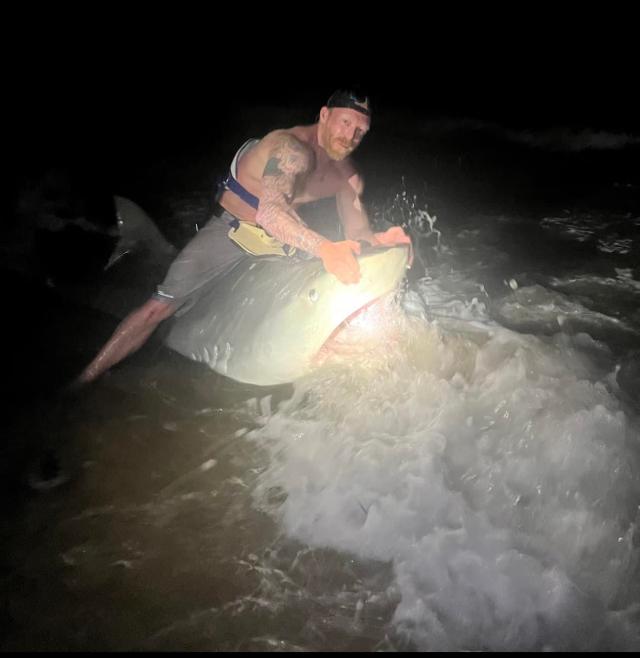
(324, 114)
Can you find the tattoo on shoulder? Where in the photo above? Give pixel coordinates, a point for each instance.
(289, 157)
(273, 167)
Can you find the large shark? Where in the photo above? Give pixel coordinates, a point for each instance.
(261, 322)
(264, 320)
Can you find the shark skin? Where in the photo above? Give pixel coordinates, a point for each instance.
(263, 321)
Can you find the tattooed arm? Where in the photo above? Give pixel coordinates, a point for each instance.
(288, 163)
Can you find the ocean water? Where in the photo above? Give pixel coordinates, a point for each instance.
(461, 473)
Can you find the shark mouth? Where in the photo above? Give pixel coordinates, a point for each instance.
(364, 331)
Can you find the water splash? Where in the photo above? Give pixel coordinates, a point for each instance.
(407, 209)
(493, 471)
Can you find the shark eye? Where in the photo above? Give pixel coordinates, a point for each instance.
(314, 295)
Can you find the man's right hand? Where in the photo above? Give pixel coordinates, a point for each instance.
(338, 259)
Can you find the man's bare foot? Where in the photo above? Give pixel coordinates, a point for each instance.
(81, 381)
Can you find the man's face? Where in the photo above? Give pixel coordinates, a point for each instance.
(342, 129)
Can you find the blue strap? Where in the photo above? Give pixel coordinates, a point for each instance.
(231, 184)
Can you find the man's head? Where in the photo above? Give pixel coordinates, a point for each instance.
(344, 121)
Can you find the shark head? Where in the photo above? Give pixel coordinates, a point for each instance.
(266, 319)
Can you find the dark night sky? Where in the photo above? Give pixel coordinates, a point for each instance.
(100, 86)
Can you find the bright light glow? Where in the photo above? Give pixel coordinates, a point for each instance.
(364, 331)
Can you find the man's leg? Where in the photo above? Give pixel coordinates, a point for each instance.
(207, 254)
(129, 336)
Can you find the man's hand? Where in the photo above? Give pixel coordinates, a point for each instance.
(338, 259)
(394, 235)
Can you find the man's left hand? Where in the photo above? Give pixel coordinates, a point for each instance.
(394, 235)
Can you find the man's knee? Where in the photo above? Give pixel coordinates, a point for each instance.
(155, 311)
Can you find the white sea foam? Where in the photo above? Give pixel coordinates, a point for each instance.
(493, 471)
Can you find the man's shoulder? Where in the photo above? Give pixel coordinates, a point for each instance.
(281, 150)
(289, 137)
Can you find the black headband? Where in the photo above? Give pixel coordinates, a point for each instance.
(350, 100)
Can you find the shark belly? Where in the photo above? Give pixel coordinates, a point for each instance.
(264, 320)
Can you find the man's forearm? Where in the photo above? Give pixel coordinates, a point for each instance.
(352, 213)
(284, 226)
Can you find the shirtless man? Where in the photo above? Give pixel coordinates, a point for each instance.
(269, 180)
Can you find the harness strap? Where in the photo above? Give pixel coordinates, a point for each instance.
(231, 183)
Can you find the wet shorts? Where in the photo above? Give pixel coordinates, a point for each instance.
(207, 255)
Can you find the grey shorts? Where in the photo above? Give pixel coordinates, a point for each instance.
(208, 254)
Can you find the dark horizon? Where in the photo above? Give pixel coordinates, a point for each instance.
(73, 93)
